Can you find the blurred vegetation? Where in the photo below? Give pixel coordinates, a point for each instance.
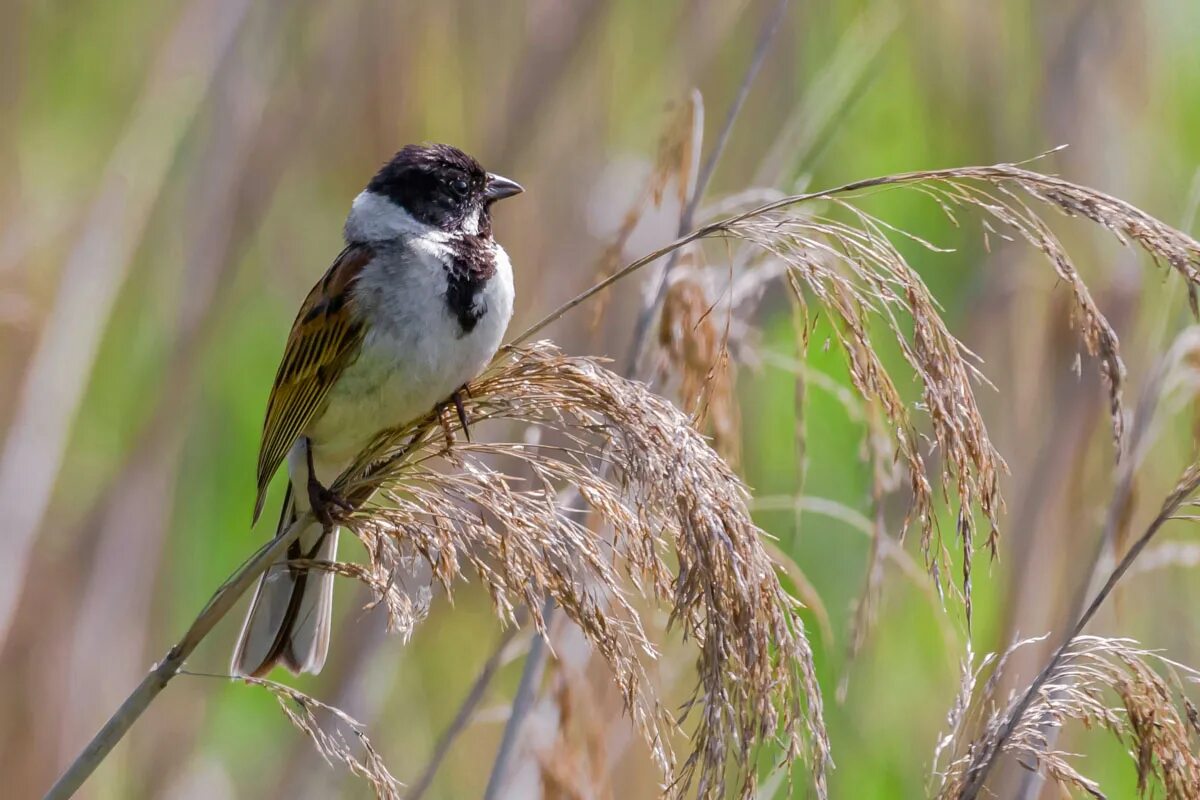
(176, 176)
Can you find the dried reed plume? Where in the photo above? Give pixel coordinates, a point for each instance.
(681, 533)
(1064, 689)
(1100, 682)
(330, 741)
(846, 262)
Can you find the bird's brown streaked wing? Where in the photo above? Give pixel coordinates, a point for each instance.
(325, 338)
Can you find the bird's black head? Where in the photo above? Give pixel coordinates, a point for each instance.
(442, 186)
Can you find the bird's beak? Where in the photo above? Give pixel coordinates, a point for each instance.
(499, 187)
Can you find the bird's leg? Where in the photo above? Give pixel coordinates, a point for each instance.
(456, 400)
(326, 504)
(457, 397)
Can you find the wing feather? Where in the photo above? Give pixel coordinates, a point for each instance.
(325, 338)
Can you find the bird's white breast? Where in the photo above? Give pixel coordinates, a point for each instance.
(414, 354)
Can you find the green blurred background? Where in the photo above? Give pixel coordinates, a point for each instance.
(175, 178)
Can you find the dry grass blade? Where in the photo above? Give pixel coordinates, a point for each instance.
(330, 741)
(1104, 683)
(681, 534)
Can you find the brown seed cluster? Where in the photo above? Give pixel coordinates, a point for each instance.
(1102, 682)
(679, 532)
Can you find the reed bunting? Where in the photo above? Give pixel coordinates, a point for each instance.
(413, 308)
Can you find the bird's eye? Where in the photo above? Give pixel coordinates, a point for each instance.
(459, 187)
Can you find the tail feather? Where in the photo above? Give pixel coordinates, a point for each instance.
(289, 618)
(304, 647)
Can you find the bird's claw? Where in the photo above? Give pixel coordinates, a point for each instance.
(328, 506)
(456, 400)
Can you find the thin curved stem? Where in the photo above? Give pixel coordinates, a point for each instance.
(722, 225)
(139, 700)
(221, 603)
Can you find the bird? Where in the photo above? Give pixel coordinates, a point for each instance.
(411, 310)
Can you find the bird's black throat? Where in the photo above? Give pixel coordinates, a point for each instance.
(471, 265)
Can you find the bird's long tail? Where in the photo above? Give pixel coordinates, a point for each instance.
(289, 618)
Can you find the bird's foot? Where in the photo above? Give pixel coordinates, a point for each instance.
(456, 400)
(327, 505)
